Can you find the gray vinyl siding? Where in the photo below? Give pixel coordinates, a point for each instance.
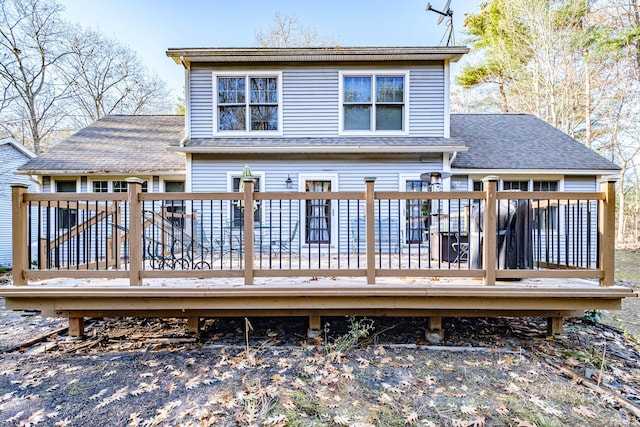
(210, 175)
(11, 160)
(311, 101)
(426, 100)
(201, 103)
(580, 183)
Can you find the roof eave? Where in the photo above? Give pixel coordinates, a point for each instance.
(354, 149)
(187, 56)
(535, 171)
(77, 172)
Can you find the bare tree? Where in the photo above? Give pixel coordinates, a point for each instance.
(32, 46)
(106, 77)
(287, 31)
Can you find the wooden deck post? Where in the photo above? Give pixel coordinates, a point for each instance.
(314, 326)
(607, 231)
(489, 229)
(248, 230)
(434, 323)
(118, 235)
(370, 229)
(134, 187)
(554, 326)
(20, 229)
(76, 326)
(193, 324)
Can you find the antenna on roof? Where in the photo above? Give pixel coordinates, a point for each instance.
(446, 12)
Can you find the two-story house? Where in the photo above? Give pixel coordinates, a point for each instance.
(345, 148)
(319, 120)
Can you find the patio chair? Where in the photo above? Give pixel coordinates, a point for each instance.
(461, 249)
(279, 246)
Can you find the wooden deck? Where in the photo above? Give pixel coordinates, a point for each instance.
(202, 298)
(567, 276)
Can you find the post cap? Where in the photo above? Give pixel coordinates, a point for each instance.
(610, 178)
(18, 185)
(490, 178)
(134, 181)
(370, 178)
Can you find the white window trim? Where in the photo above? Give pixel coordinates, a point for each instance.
(54, 186)
(163, 179)
(333, 177)
(110, 180)
(238, 174)
(403, 206)
(256, 73)
(54, 189)
(90, 182)
(471, 178)
(373, 73)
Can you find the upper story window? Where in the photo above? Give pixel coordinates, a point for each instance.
(248, 103)
(374, 102)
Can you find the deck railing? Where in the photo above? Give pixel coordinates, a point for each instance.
(473, 234)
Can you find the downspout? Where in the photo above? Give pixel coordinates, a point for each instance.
(187, 102)
(36, 181)
(453, 158)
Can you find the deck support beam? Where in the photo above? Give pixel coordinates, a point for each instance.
(554, 326)
(76, 327)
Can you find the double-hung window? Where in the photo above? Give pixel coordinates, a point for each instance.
(67, 218)
(374, 102)
(546, 217)
(248, 103)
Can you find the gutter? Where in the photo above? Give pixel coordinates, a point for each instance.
(355, 149)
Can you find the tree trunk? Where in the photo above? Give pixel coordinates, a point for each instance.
(587, 102)
(621, 204)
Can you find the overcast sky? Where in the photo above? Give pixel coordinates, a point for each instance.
(151, 26)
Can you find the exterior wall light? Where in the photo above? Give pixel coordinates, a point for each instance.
(288, 182)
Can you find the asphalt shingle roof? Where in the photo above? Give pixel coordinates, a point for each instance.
(519, 141)
(124, 144)
(131, 144)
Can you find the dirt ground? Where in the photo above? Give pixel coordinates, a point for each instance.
(359, 372)
(141, 372)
